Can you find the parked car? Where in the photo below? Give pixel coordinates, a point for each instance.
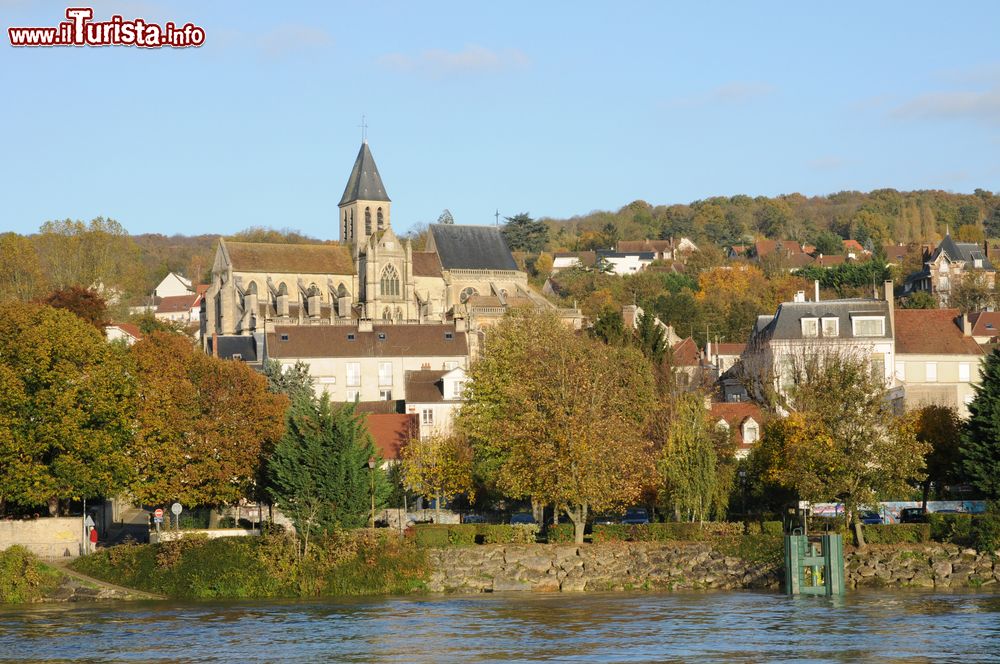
(912, 515)
(605, 520)
(870, 518)
(473, 518)
(636, 516)
(522, 519)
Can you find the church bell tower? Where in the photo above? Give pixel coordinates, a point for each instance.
(364, 207)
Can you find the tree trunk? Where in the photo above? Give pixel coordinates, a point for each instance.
(214, 516)
(537, 510)
(927, 492)
(555, 514)
(859, 533)
(437, 508)
(53, 507)
(578, 515)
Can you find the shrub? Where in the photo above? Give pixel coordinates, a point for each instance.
(901, 533)
(986, 529)
(670, 531)
(23, 578)
(508, 534)
(772, 528)
(562, 533)
(953, 528)
(431, 535)
(462, 534)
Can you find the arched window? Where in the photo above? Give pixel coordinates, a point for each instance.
(282, 289)
(386, 314)
(313, 291)
(399, 314)
(390, 282)
(368, 221)
(466, 294)
(350, 227)
(252, 288)
(344, 228)
(380, 221)
(341, 290)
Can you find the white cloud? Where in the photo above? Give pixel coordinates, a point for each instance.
(734, 93)
(472, 59)
(978, 106)
(286, 39)
(827, 163)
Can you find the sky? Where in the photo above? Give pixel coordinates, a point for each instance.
(551, 108)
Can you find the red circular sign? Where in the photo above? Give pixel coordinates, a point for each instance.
(158, 513)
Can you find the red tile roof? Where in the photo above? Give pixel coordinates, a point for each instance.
(129, 328)
(685, 354)
(764, 247)
(985, 323)
(176, 304)
(391, 432)
(827, 261)
(637, 246)
(729, 349)
(853, 245)
(426, 264)
(932, 332)
(735, 414)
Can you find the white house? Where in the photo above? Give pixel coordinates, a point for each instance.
(173, 285)
(435, 397)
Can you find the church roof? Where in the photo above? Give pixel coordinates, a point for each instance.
(426, 264)
(290, 258)
(471, 247)
(401, 340)
(365, 184)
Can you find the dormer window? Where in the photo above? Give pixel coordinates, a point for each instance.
(831, 327)
(810, 327)
(350, 336)
(869, 326)
(284, 337)
(449, 336)
(751, 432)
(381, 336)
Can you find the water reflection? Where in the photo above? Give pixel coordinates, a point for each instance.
(731, 626)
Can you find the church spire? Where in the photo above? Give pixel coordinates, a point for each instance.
(365, 183)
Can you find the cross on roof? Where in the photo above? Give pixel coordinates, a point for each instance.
(364, 130)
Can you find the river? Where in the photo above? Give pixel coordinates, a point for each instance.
(912, 626)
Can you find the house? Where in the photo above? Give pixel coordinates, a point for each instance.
(662, 250)
(689, 369)
(390, 432)
(947, 265)
(763, 248)
(565, 259)
(895, 254)
(435, 396)
(127, 332)
(744, 421)
(854, 251)
(801, 330)
(829, 261)
(937, 359)
(173, 285)
(621, 263)
(181, 309)
(725, 355)
(367, 362)
(370, 274)
(237, 347)
(985, 326)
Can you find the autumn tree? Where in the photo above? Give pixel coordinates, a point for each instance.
(318, 474)
(203, 426)
(21, 275)
(918, 300)
(439, 467)
(67, 403)
(86, 303)
(842, 440)
(559, 417)
(940, 428)
(972, 293)
(99, 254)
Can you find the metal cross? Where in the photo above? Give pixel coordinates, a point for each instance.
(364, 130)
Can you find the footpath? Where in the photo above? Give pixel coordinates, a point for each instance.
(77, 587)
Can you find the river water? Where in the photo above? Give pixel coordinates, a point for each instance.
(913, 626)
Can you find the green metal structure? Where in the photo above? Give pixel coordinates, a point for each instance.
(814, 565)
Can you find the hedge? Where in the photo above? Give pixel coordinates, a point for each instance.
(663, 532)
(508, 534)
(953, 528)
(898, 533)
(443, 535)
(562, 534)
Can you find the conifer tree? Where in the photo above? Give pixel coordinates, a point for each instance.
(981, 439)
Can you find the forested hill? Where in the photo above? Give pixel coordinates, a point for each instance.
(883, 216)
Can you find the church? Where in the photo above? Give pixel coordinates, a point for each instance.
(466, 276)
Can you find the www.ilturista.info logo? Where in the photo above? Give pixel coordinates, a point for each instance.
(80, 30)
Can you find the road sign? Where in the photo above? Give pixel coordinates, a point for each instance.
(158, 513)
(176, 508)
(89, 521)
(157, 519)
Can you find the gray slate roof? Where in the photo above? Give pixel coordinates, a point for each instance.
(963, 251)
(471, 247)
(365, 184)
(786, 322)
(230, 345)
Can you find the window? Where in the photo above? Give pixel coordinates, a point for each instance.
(368, 221)
(466, 294)
(878, 366)
(869, 326)
(385, 373)
(932, 372)
(381, 336)
(353, 374)
(448, 336)
(380, 222)
(385, 395)
(751, 433)
(350, 336)
(427, 417)
(353, 395)
(963, 372)
(451, 364)
(390, 282)
(810, 327)
(900, 370)
(944, 283)
(831, 327)
(284, 337)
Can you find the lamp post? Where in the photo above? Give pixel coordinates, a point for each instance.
(371, 477)
(743, 490)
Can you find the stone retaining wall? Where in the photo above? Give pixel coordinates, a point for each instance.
(611, 566)
(688, 565)
(48, 537)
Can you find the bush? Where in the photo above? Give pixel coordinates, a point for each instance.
(772, 528)
(986, 529)
(670, 531)
(951, 528)
(508, 534)
(562, 533)
(900, 533)
(442, 535)
(23, 578)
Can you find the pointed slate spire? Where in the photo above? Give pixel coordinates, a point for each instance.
(365, 184)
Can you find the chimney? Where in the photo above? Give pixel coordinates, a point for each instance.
(891, 301)
(800, 296)
(460, 324)
(816, 285)
(364, 325)
(966, 326)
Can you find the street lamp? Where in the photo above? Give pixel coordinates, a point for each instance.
(371, 477)
(743, 490)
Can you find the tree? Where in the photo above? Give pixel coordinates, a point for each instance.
(66, 410)
(842, 440)
(970, 233)
(918, 300)
(99, 254)
(203, 427)
(523, 233)
(258, 234)
(319, 471)
(972, 293)
(558, 417)
(650, 338)
(980, 448)
(293, 381)
(446, 218)
(609, 327)
(84, 302)
(21, 276)
(689, 461)
(439, 467)
(940, 428)
(828, 243)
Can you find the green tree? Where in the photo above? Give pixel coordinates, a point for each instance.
(21, 276)
(439, 467)
(918, 300)
(445, 217)
(972, 293)
(84, 302)
(609, 327)
(940, 428)
(66, 410)
(828, 243)
(318, 474)
(293, 381)
(650, 338)
(981, 437)
(523, 233)
(99, 254)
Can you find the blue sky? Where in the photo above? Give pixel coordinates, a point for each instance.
(554, 108)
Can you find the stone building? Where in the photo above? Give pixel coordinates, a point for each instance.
(948, 265)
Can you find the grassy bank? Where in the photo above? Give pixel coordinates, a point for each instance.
(23, 578)
(350, 563)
